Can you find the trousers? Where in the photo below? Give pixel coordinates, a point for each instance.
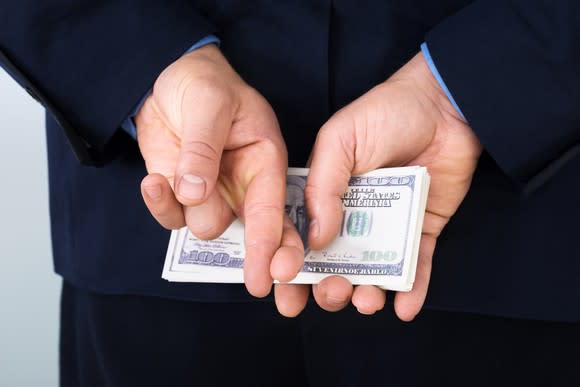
(126, 341)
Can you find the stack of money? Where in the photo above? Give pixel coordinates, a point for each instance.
(378, 242)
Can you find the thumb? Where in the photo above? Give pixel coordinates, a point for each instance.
(332, 164)
(372, 132)
(207, 123)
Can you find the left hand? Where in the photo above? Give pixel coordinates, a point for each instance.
(213, 150)
(407, 120)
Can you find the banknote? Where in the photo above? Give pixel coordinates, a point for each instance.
(377, 243)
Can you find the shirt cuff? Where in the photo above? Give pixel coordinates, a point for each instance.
(129, 124)
(433, 68)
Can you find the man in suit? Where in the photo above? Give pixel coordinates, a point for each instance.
(490, 105)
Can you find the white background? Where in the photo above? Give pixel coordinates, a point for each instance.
(29, 290)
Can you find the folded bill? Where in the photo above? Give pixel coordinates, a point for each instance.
(377, 244)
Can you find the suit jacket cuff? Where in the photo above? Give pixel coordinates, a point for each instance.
(512, 67)
(89, 63)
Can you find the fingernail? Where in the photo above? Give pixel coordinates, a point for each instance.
(153, 191)
(191, 187)
(314, 229)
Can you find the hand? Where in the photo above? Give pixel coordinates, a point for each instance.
(406, 120)
(214, 151)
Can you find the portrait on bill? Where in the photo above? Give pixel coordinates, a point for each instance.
(296, 207)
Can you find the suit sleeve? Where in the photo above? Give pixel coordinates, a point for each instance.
(513, 67)
(89, 62)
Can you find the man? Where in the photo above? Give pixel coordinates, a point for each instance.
(489, 105)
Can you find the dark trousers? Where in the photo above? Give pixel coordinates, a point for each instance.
(125, 341)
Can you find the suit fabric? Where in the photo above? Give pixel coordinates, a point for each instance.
(126, 341)
(512, 66)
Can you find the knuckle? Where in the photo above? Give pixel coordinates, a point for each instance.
(340, 139)
(204, 231)
(262, 235)
(273, 152)
(262, 245)
(158, 210)
(200, 150)
(159, 215)
(211, 89)
(258, 209)
(328, 133)
(434, 223)
(310, 192)
(167, 220)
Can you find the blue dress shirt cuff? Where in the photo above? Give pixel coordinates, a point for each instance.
(433, 68)
(129, 124)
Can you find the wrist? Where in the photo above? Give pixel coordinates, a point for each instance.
(450, 115)
(432, 86)
(446, 117)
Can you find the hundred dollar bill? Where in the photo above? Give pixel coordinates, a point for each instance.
(377, 244)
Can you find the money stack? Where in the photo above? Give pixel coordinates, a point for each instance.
(378, 242)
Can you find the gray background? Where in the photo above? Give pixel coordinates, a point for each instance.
(29, 290)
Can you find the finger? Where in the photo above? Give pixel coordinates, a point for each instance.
(330, 171)
(289, 258)
(368, 299)
(209, 219)
(291, 299)
(207, 122)
(263, 216)
(332, 293)
(409, 304)
(161, 201)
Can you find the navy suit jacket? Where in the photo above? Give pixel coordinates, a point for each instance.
(512, 66)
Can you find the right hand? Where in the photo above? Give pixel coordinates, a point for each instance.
(406, 120)
(214, 151)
